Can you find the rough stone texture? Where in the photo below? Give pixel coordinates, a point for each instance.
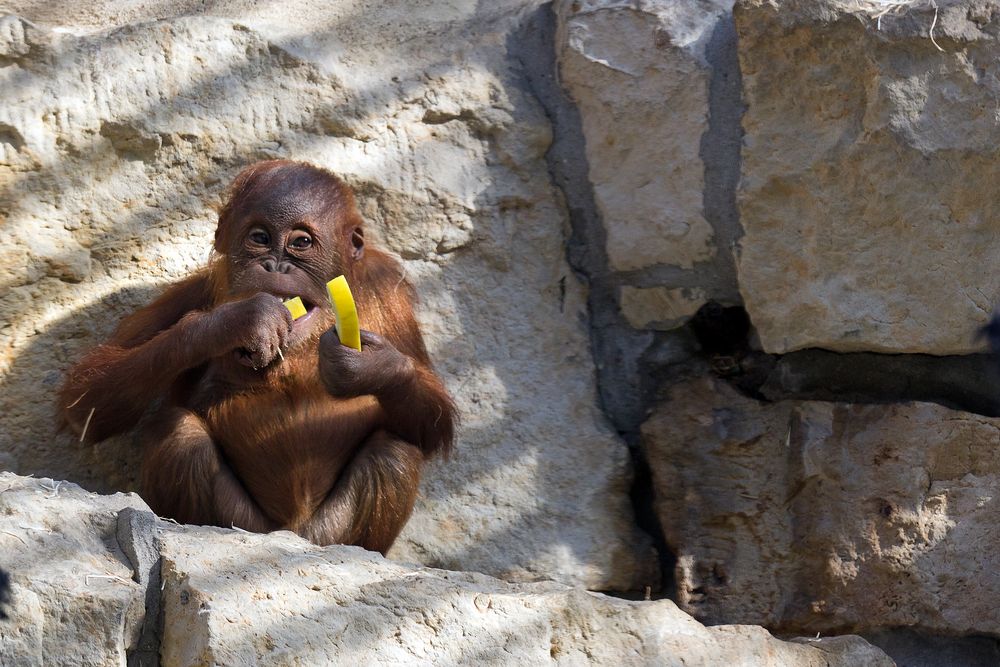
(74, 600)
(137, 534)
(659, 307)
(819, 517)
(869, 161)
(236, 598)
(276, 600)
(114, 145)
(638, 73)
(641, 73)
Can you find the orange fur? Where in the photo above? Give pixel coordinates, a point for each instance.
(271, 448)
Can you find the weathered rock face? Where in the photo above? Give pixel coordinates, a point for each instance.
(659, 307)
(819, 517)
(639, 72)
(344, 605)
(115, 145)
(868, 163)
(88, 585)
(864, 177)
(74, 601)
(644, 109)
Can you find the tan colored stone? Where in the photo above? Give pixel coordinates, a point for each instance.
(869, 165)
(276, 600)
(637, 72)
(813, 517)
(84, 565)
(659, 307)
(73, 598)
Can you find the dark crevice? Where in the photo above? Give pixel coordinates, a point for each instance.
(137, 537)
(10, 135)
(970, 383)
(911, 647)
(720, 152)
(642, 495)
(967, 382)
(435, 117)
(627, 384)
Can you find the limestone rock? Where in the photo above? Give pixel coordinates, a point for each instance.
(116, 144)
(814, 517)
(637, 72)
(74, 598)
(277, 600)
(81, 570)
(868, 168)
(659, 307)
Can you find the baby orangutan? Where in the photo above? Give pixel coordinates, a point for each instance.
(266, 423)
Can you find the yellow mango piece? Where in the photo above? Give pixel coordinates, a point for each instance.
(295, 307)
(348, 329)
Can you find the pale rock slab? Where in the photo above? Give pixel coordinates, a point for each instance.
(638, 73)
(869, 160)
(659, 307)
(817, 517)
(116, 144)
(74, 601)
(277, 600)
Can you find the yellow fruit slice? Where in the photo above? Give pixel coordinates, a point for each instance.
(348, 329)
(295, 307)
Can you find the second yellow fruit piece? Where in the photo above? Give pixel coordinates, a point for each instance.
(348, 329)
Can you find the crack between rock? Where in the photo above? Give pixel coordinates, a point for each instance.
(138, 540)
(969, 383)
(721, 153)
(624, 393)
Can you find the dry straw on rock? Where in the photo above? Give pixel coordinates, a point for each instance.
(879, 8)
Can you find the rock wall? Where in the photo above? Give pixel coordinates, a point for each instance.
(827, 515)
(749, 249)
(837, 154)
(862, 233)
(866, 226)
(108, 568)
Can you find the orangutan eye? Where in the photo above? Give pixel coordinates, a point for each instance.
(259, 237)
(300, 241)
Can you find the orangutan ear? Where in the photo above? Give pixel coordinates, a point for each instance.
(357, 243)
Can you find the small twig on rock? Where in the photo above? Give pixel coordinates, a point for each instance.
(7, 532)
(876, 9)
(930, 33)
(110, 577)
(316, 557)
(30, 527)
